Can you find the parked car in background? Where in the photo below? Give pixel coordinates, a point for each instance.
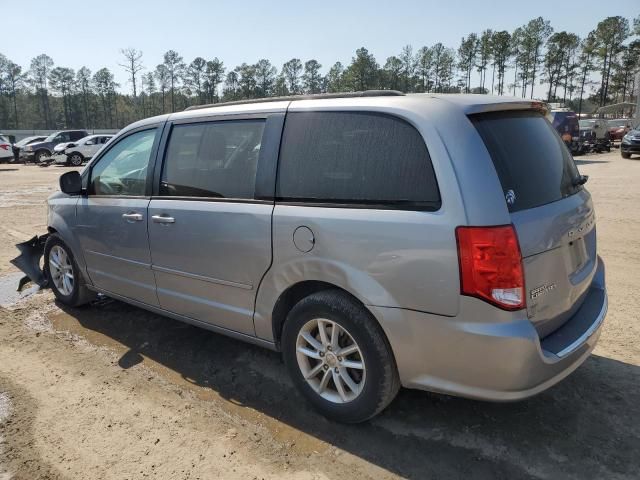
(376, 239)
(18, 146)
(586, 130)
(6, 150)
(566, 124)
(40, 151)
(75, 153)
(630, 144)
(619, 128)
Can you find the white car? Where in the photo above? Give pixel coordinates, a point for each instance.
(74, 153)
(6, 149)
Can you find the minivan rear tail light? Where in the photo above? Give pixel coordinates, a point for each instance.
(491, 265)
(4, 146)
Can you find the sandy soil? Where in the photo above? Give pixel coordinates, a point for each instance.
(111, 391)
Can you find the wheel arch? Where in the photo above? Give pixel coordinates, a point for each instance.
(57, 224)
(42, 149)
(296, 292)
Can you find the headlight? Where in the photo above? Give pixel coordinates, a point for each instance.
(626, 138)
(28, 148)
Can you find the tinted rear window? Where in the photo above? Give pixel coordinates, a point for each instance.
(532, 162)
(355, 158)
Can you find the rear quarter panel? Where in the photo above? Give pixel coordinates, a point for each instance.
(388, 258)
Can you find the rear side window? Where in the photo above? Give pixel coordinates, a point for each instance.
(217, 159)
(532, 162)
(355, 158)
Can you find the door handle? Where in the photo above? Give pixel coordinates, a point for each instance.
(163, 219)
(132, 217)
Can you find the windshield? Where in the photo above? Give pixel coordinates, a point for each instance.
(533, 164)
(51, 137)
(4, 139)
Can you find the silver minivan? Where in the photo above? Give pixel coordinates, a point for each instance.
(378, 240)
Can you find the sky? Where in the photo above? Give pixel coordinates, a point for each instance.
(85, 33)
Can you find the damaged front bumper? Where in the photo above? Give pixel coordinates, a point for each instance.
(28, 261)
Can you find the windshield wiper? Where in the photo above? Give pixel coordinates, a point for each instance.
(581, 180)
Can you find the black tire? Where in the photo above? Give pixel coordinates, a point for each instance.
(75, 159)
(39, 154)
(381, 382)
(80, 294)
(625, 154)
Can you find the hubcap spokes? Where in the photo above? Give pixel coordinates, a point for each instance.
(330, 360)
(61, 270)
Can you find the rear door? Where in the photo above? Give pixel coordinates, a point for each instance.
(552, 213)
(112, 218)
(210, 219)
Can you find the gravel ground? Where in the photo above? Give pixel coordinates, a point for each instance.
(114, 392)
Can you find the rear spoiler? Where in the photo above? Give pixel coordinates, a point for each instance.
(540, 107)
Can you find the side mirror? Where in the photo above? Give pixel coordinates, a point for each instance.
(71, 183)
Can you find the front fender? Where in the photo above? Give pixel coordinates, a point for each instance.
(61, 219)
(29, 261)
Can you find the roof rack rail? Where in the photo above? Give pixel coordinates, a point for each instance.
(315, 96)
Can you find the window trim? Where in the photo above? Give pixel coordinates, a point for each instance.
(409, 206)
(264, 188)
(376, 205)
(152, 159)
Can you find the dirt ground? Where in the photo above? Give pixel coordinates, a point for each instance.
(111, 391)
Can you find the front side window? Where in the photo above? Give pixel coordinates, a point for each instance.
(123, 169)
(216, 159)
(355, 158)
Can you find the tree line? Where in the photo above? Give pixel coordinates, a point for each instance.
(582, 73)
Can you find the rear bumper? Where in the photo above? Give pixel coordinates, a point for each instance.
(487, 354)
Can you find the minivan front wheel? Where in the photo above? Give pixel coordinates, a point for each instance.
(63, 274)
(338, 357)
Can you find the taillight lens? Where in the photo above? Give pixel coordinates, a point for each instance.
(491, 265)
(4, 146)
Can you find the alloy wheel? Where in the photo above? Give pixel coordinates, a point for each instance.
(61, 270)
(330, 360)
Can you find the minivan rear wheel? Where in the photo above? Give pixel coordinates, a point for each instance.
(339, 357)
